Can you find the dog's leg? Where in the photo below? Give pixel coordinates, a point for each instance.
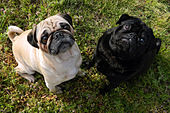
(25, 74)
(108, 88)
(92, 62)
(53, 88)
(81, 73)
(114, 81)
(58, 90)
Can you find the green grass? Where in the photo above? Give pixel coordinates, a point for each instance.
(147, 93)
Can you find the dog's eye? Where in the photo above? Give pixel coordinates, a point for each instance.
(126, 27)
(141, 40)
(44, 39)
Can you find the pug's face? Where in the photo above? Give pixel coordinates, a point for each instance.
(53, 35)
(131, 38)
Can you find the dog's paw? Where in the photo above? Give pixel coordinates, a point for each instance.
(25, 74)
(104, 91)
(58, 90)
(29, 77)
(81, 73)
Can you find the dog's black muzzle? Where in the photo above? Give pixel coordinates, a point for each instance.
(127, 42)
(124, 44)
(60, 42)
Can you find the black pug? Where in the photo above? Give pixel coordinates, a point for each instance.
(125, 51)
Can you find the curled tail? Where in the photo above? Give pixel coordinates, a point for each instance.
(13, 31)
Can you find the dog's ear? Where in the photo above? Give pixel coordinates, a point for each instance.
(68, 18)
(157, 41)
(123, 18)
(31, 38)
(158, 44)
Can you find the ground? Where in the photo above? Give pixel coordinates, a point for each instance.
(146, 93)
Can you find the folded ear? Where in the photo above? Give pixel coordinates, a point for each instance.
(68, 18)
(158, 44)
(31, 38)
(123, 18)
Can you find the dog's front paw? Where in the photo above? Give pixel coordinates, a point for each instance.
(104, 90)
(29, 77)
(25, 74)
(81, 73)
(58, 90)
(107, 89)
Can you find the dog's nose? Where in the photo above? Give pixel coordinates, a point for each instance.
(131, 37)
(62, 36)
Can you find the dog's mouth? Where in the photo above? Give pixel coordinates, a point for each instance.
(60, 42)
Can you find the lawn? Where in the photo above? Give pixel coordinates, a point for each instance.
(146, 93)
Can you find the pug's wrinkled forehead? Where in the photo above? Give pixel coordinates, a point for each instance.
(54, 23)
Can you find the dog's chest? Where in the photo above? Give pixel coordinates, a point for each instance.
(62, 65)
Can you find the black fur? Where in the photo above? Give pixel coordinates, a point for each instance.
(68, 18)
(124, 17)
(121, 60)
(31, 38)
(65, 26)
